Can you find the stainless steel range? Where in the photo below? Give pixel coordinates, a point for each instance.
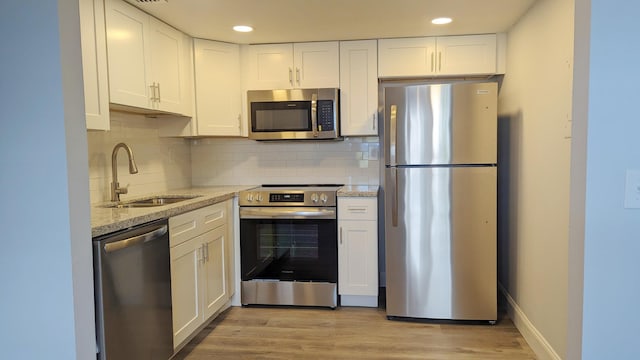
(289, 245)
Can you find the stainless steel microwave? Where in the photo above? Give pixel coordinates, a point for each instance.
(294, 114)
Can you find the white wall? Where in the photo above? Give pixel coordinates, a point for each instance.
(611, 319)
(46, 304)
(163, 163)
(534, 158)
(249, 162)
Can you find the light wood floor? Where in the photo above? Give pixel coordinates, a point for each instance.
(348, 333)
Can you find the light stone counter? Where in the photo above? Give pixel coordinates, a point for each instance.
(358, 191)
(107, 220)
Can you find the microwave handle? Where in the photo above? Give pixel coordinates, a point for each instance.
(314, 114)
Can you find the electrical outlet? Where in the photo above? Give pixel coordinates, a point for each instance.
(632, 190)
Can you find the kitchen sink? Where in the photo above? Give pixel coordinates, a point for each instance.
(152, 201)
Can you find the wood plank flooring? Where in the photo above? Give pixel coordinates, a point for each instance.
(348, 333)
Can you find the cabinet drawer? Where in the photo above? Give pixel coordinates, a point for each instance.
(188, 225)
(350, 208)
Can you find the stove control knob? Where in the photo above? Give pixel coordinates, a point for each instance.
(314, 198)
(259, 197)
(324, 198)
(250, 197)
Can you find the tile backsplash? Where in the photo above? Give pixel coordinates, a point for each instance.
(227, 161)
(163, 163)
(174, 163)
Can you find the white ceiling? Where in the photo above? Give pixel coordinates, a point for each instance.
(278, 21)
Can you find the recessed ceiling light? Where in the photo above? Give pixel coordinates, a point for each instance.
(242, 28)
(441, 21)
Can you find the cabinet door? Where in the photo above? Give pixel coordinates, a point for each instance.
(214, 270)
(467, 55)
(218, 94)
(317, 65)
(186, 288)
(128, 57)
(94, 64)
(406, 57)
(358, 88)
(167, 68)
(358, 258)
(270, 67)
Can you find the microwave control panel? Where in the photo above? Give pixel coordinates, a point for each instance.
(325, 115)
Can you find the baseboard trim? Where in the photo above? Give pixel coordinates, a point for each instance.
(534, 338)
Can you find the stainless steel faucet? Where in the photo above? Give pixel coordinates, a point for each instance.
(116, 190)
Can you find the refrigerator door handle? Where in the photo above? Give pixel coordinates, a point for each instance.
(394, 200)
(393, 134)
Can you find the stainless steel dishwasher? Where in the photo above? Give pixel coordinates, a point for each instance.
(133, 293)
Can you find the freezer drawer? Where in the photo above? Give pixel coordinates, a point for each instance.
(440, 242)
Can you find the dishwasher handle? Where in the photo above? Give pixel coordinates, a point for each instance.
(132, 241)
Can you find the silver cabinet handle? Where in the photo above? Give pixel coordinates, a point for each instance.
(291, 76)
(433, 59)
(132, 241)
(206, 252)
(439, 61)
(314, 114)
(159, 96)
(340, 235)
(374, 120)
(393, 134)
(153, 91)
(298, 76)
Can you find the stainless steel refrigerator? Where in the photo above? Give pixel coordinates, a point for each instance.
(439, 186)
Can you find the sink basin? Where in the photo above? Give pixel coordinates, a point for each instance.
(152, 201)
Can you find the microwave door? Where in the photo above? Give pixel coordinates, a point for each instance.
(281, 116)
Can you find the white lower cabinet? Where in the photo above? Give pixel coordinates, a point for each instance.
(200, 264)
(358, 251)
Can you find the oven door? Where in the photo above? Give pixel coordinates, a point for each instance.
(288, 244)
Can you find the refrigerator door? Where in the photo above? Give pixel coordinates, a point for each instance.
(433, 124)
(440, 229)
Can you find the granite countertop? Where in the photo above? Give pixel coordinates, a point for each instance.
(107, 220)
(358, 191)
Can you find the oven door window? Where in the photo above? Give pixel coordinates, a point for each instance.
(301, 250)
(281, 116)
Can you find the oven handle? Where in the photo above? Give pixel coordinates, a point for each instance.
(287, 213)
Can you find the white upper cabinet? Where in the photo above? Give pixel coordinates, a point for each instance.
(300, 65)
(167, 68)
(146, 62)
(94, 64)
(270, 66)
(358, 88)
(406, 57)
(437, 56)
(317, 65)
(218, 90)
(467, 55)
